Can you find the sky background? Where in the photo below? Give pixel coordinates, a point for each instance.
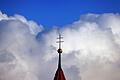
(91, 48)
(57, 12)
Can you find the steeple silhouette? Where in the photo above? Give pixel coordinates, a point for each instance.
(59, 75)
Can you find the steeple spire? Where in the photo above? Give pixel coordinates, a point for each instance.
(59, 49)
(59, 75)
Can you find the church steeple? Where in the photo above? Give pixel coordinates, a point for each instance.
(59, 75)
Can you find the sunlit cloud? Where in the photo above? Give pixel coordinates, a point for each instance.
(90, 49)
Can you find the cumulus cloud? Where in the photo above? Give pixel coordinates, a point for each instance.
(90, 49)
(17, 43)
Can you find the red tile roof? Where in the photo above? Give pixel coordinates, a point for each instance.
(59, 74)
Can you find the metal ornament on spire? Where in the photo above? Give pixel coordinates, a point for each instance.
(59, 42)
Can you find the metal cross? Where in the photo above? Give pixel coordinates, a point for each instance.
(59, 40)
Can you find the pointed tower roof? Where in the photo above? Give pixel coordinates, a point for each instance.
(59, 75)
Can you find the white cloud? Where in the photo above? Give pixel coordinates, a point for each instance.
(91, 46)
(90, 49)
(17, 45)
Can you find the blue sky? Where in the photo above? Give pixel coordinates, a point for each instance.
(57, 12)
